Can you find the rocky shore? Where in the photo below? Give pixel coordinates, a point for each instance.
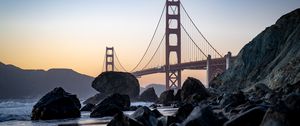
(262, 88)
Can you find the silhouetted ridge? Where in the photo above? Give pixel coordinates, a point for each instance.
(18, 83)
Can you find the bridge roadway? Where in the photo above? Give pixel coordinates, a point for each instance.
(195, 65)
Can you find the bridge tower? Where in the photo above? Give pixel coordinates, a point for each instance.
(173, 43)
(109, 59)
(213, 68)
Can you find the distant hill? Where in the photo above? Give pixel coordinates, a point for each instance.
(18, 83)
(159, 88)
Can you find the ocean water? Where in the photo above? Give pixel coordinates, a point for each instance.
(18, 112)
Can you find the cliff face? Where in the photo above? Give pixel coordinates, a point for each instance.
(272, 57)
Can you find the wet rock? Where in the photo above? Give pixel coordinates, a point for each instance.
(148, 95)
(133, 108)
(193, 86)
(183, 112)
(121, 120)
(261, 89)
(154, 106)
(163, 121)
(95, 99)
(87, 107)
(194, 99)
(117, 82)
(171, 120)
(105, 110)
(252, 117)
(292, 101)
(111, 105)
(145, 116)
(203, 116)
(166, 98)
(56, 104)
(286, 113)
(233, 99)
(177, 97)
(156, 113)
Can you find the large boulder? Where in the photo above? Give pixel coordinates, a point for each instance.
(148, 95)
(166, 98)
(117, 82)
(193, 86)
(111, 105)
(57, 104)
(272, 57)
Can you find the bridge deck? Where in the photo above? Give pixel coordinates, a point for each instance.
(195, 65)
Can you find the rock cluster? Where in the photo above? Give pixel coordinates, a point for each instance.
(192, 91)
(240, 108)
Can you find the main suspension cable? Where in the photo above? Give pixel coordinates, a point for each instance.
(200, 31)
(151, 39)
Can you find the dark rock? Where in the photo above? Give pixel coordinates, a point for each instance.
(87, 107)
(156, 113)
(194, 99)
(148, 95)
(183, 112)
(121, 120)
(276, 116)
(56, 104)
(162, 121)
(171, 120)
(286, 113)
(117, 82)
(166, 98)
(145, 116)
(133, 108)
(95, 99)
(252, 117)
(111, 105)
(292, 101)
(106, 110)
(177, 97)
(272, 57)
(193, 86)
(159, 88)
(233, 99)
(154, 106)
(203, 116)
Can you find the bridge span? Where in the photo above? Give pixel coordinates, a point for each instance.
(181, 46)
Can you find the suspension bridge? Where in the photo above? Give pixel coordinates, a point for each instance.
(177, 44)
